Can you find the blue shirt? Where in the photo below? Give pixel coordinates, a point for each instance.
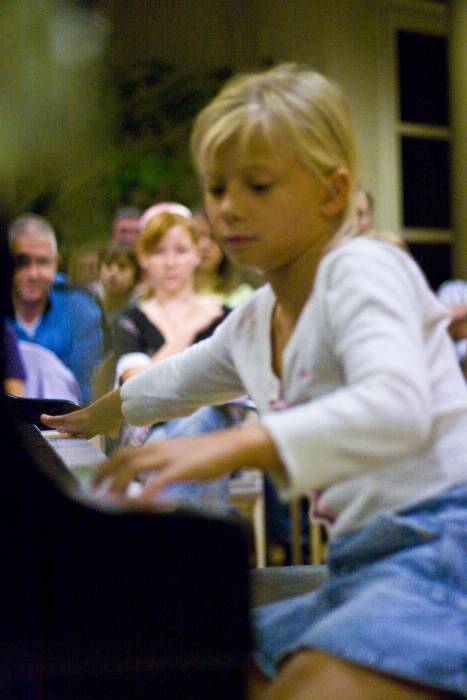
(71, 327)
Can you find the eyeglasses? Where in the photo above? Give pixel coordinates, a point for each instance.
(22, 261)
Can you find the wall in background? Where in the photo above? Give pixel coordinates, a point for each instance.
(347, 40)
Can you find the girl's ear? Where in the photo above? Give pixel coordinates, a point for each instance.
(337, 194)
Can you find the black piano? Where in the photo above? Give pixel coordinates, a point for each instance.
(111, 602)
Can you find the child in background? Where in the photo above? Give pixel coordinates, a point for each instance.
(362, 223)
(119, 273)
(83, 266)
(364, 210)
(215, 274)
(345, 353)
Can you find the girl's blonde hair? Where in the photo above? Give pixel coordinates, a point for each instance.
(156, 228)
(290, 103)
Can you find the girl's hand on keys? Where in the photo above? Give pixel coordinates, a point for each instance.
(199, 458)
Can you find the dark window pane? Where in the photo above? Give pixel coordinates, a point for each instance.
(425, 183)
(435, 261)
(423, 78)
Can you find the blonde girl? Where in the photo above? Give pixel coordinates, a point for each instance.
(345, 353)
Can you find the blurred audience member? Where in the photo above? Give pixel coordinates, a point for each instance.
(61, 318)
(160, 208)
(362, 223)
(14, 382)
(453, 294)
(364, 211)
(173, 315)
(47, 377)
(119, 272)
(215, 274)
(125, 226)
(83, 266)
(143, 288)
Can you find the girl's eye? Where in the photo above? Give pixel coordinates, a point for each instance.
(216, 190)
(260, 187)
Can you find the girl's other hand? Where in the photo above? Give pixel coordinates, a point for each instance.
(104, 417)
(199, 458)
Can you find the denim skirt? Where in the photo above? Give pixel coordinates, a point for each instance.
(395, 601)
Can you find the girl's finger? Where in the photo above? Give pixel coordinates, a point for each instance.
(107, 469)
(61, 423)
(124, 465)
(51, 421)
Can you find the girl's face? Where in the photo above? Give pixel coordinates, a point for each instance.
(117, 277)
(211, 254)
(170, 266)
(266, 209)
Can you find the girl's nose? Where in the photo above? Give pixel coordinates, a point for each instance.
(170, 259)
(230, 205)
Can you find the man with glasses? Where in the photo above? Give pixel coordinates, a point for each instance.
(63, 319)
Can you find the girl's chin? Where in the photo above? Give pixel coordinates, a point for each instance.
(170, 285)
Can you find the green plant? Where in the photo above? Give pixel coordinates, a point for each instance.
(157, 107)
